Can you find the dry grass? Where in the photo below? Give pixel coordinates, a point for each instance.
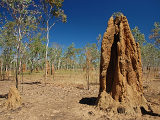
(72, 77)
(63, 76)
(60, 97)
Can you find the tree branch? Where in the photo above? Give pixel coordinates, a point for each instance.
(52, 25)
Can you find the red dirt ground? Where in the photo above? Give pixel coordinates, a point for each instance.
(59, 100)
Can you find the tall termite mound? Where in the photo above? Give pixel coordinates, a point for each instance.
(120, 69)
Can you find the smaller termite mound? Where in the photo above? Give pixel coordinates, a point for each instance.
(14, 99)
(121, 86)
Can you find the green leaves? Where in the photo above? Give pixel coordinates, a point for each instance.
(55, 54)
(70, 52)
(156, 34)
(8, 42)
(94, 53)
(117, 14)
(150, 53)
(57, 3)
(36, 47)
(52, 10)
(60, 14)
(138, 36)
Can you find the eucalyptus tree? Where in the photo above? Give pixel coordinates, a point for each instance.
(69, 55)
(55, 56)
(148, 54)
(138, 36)
(148, 50)
(99, 38)
(156, 34)
(2, 18)
(22, 12)
(151, 59)
(51, 14)
(7, 44)
(95, 54)
(81, 59)
(36, 50)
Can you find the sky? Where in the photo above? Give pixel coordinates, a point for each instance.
(88, 18)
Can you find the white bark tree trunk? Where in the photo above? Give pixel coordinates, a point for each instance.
(47, 48)
(18, 54)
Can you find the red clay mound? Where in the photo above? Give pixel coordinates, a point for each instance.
(14, 99)
(120, 69)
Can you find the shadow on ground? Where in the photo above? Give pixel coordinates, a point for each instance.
(5, 79)
(31, 83)
(144, 112)
(4, 96)
(88, 101)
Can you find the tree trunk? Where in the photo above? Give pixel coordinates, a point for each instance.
(20, 65)
(18, 55)
(17, 67)
(46, 60)
(88, 66)
(53, 70)
(31, 69)
(1, 67)
(59, 62)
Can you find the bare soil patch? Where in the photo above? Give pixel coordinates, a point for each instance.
(68, 100)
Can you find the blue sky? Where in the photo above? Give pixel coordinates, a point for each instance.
(88, 18)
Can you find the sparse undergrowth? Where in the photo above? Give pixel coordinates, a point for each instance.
(61, 99)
